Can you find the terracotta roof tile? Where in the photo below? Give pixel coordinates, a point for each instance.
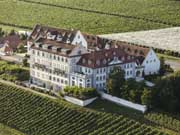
(13, 41)
(103, 57)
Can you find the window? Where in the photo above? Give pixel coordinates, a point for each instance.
(127, 73)
(131, 72)
(62, 81)
(62, 59)
(73, 83)
(80, 84)
(43, 54)
(57, 79)
(33, 51)
(147, 62)
(88, 84)
(98, 62)
(97, 78)
(38, 53)
(66, 82)
(131, 65)
(101, 70)
(54, 78)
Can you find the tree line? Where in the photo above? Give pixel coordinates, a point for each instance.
(164, 95)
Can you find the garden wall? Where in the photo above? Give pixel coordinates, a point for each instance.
(123, 102)
(78, 101)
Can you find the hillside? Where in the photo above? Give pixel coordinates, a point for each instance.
(35, 115)
(93, 16)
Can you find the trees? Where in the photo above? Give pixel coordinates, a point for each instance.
(166, 94)
(21, 49)
(1, 32)
(115, 82)
(146, 97)
(79, 92)
(12, 32)
(162, 66)
(25, 62)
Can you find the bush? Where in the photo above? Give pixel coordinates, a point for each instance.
(13, 72)
(79, 92)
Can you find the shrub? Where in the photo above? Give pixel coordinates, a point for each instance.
(79, 92)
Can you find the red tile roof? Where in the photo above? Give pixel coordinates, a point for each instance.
(93, 41)
(13, 41)
(102, 58)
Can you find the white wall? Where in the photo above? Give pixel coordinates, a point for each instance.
(78, 101)
(123, 102)
(151, 63)
(79, 40)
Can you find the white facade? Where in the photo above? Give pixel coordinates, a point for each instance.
(151, 63)
(55, 66)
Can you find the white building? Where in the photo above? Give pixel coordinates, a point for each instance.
(60, 58)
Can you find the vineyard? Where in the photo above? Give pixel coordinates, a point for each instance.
(94, 16)
(4, 130)
(35, 115)
(159, 11)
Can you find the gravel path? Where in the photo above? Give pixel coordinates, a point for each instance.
(168, 38)
(174, 64)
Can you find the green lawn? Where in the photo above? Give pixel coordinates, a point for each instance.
(28, 14)
(164, 10)
(167, 57)
(4, 130)
(9, 28)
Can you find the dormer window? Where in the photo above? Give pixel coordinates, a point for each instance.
(68, 41)
(98, 62)
(115, 58)
(59, 38)
(89, 62)
(122, 58)
(104, 61)
(114, 53)
(79, 52)
(84, 61)
(135, 51)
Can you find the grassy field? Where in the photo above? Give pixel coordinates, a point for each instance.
(163, 10)
(167, 57)
(135, 15)
(4, 130)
